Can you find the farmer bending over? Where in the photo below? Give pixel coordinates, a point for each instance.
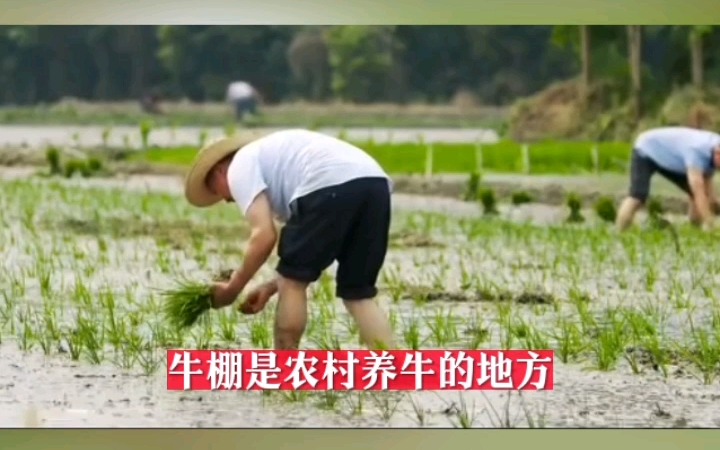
(335, 202)
(685, 156)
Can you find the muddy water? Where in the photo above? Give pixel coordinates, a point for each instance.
(90, 136)
(50, 392)
(54, 392)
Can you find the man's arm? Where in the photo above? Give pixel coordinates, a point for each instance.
(711, 194)
(699, 189)
(262, 240)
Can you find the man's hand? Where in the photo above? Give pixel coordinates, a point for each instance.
(258, 298)
(223, 295)
(699, 188)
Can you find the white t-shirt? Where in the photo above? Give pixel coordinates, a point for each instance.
(292, 163)
(239, 90)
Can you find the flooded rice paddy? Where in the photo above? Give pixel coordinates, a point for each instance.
(129, 137)
(635, 324)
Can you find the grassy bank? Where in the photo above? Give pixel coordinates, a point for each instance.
(294, 114)
(503, 157)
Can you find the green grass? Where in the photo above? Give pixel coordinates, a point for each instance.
(218, 114)
(186, 303)
(503, 157)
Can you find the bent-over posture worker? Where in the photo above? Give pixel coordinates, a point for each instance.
(687, 157)
(335, 202)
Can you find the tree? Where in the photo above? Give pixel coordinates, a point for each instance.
(362, 59)
(578, 37)
(585, 55)
(308, 59)
(696, 33)
(634, 34)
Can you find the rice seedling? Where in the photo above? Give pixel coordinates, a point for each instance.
(704, 352)
(328, 400)
(146, 128)
(387, 403)
(187, 303)
(295, 396)
(230, 128)
(356, 402)
(411, 333)
(443, 327)
(574, 204)
(605, 209)
(202, 138)
(521, 198)
(52, 156)
(473, 187)
(105, 136)
(228, 327)
(489, 201)
(495, 284)
(260, 333)
(465, 416)
(326, 340)
(420, 414)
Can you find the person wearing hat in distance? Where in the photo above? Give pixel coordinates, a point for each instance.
(334, 200)
(687, 157)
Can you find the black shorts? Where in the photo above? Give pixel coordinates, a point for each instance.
(245, 105)
(643, 168)
(348, 223)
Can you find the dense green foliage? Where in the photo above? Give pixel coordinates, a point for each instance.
(359, 63)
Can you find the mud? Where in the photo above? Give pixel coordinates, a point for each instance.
(412, 240)
(423, 294)
(535, 271)
(50, 392)
(177, 234)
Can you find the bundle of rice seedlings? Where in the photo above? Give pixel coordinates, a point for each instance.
(605, 209)
(489, 201)
(574, 203)
(521, 197)
(186, 303)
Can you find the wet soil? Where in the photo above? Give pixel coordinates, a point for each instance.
(52, 391)
(178, 234)
(424, 294)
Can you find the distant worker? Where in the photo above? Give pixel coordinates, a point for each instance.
(150, 103)
(243, 97)
(687, 157)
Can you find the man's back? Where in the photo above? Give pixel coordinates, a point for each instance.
(677, 148)
(238, 90)
(289, 164)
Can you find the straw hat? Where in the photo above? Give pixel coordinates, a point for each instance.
(196, 190)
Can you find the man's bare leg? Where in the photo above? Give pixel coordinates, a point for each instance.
(373, 324)
(626, 212)
(290, 314)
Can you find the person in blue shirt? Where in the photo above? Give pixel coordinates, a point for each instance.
(685, 156)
